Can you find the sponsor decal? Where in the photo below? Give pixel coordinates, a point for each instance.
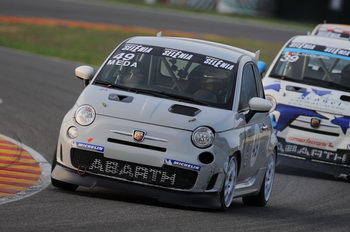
(177, 54)
(126, 55)
(129, 171)
(322, 100)
(88, 146)
(90, 139)
(329, 34)
(182, 164)
(337, 51)
(318, 92)
(302, 45)
(313, 153)
(310, 142)
(255, 145)
(343, 122)
(137, 48)
(297, 47)
(218, 63)
(289, 113)
(275, 87)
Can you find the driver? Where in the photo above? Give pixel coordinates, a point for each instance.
(214, 85)
(135, 77)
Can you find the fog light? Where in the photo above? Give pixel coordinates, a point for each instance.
(72, 132)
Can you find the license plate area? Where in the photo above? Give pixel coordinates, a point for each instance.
(336, 157)
(167, 176)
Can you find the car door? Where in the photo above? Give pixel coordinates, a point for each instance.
(254, 151)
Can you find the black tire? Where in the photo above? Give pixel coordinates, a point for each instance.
(229, 185)
(266, 188)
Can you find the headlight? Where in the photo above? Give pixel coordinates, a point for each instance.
(85, 115)
(72, 132)
(273, 102)
(203, 137)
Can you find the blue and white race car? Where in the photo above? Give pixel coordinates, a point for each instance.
(309, 85)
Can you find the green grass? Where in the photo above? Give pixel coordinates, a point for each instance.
(92, 46)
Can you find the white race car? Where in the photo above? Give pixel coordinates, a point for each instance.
(309, 85)
(181, 120)
(340, 31)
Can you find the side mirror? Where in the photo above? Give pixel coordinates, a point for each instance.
(261, 67)
(85, 72)
(258, 105)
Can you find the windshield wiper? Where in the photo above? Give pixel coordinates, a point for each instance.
(325, 84)
(112, 85)
(338, 86)
(184, 98)
(162, 94)
(282, 77)
(153, 93)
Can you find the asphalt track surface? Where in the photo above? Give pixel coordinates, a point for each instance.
(126, 15)
(36, 92)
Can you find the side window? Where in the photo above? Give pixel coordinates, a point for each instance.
(248, 88)
(259, 86)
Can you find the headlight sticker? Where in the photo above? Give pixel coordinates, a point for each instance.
(182, 164)
(87, 146)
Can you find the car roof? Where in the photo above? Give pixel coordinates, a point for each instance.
(341, 31)
(323, 41)
(218, 50)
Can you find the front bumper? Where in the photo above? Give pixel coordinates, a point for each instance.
(338, 171)
(199, 200)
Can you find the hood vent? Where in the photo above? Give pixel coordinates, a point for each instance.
(345, 98)
(184, 110)
(295, 89)
(121, 98)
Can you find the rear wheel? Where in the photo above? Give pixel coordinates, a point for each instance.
(266, 188)
(58, 183)
(228, 188)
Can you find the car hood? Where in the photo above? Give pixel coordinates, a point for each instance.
(308, 97)
(154, 110)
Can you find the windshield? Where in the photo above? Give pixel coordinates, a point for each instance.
(315, 65)
(171, 73)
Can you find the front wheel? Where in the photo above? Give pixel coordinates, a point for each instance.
(266, 188)
(228, 188)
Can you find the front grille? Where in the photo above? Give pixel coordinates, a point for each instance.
(167, 176)
(133, 144)
(314, 131)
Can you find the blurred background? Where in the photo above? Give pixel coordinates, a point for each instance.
(313, 11)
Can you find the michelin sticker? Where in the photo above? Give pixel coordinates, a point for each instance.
(172, 162)
(88, 146)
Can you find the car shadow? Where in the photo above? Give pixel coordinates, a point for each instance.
(288, 170)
